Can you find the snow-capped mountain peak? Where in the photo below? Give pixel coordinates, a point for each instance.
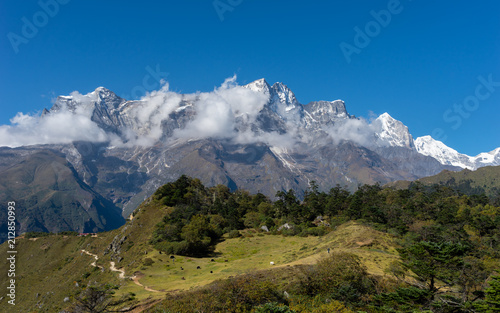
(260, 85)
(392, 132)
(97, 98)
(427, 145)
(282, 114)
(281, 100)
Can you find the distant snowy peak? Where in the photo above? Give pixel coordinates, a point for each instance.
(488, 158)
(283, 113)
(106, 96)
(99, 98)
(102, 106)
(392, 132)
(259, 85)
(426, 145)
(281, 99)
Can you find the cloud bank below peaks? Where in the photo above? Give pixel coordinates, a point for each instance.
(142, 122)
(63, 127)
(229, 112)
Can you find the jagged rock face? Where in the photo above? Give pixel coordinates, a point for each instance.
(281, 145)
(104, 107)
(326, 112)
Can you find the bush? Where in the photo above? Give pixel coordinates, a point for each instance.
(234, 233)
(148, 262)
(339, 276)
(313, 231)
(177, 247)
(68, 233)
(316, 305)
(36, 234)
(237, 294)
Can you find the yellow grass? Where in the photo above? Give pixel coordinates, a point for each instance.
(255, 251)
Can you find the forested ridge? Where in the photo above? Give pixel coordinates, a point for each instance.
(448, 244)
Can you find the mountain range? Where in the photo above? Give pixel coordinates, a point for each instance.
(96, 157)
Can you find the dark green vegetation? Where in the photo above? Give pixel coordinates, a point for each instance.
(448, 246)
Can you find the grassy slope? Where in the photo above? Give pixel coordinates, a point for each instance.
(49, 266)
(46, 269)
(487, 178)
(247, 254)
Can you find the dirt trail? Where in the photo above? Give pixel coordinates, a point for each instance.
(113, 268)
(136, 278)
(94, 264)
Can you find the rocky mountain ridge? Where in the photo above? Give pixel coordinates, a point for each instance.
(257, 137)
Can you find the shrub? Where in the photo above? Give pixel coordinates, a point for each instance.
(237, 294)
(339, 276)
(148, 262)
(68, 233)
(234, 233)
(316, 305)
(36, 234)
(313, 231)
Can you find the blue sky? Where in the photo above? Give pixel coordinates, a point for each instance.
(428, 66)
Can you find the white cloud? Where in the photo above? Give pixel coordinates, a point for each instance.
(148, 114)
(359, 131)
(217, 115)
(62, 127)
(217, 111)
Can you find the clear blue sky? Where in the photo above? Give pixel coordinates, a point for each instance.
(425, 60)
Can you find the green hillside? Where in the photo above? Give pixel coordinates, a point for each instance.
(376, 250)
(50, 267)
(483, 180)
